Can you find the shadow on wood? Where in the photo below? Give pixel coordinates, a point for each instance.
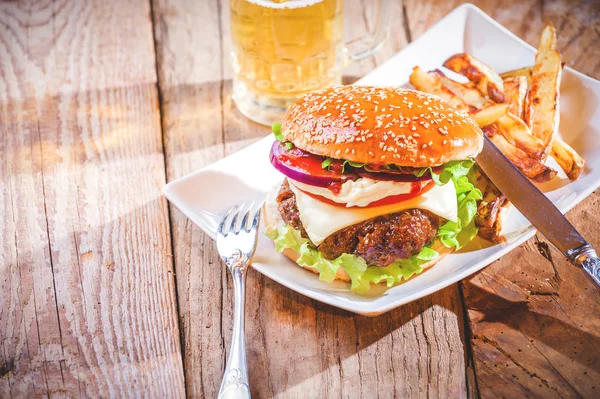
(293, 339)
(563, 337)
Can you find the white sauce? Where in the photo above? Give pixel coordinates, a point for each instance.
(360, 192)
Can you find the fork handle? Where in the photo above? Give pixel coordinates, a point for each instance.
(235, 379)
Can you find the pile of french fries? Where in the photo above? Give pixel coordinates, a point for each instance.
(518, 110)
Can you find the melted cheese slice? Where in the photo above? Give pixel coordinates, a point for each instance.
(320, 220)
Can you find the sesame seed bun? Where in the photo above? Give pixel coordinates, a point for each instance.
(272, 219)
(381, 125)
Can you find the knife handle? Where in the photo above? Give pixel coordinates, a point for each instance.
(585, 257)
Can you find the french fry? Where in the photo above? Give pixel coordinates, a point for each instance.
(431, 84)
(548, 39)
(519, 111)
(543, 100)
(490, 114)
(488, 218)
(528, 165)
(568, 159)
(486, 79)
(511, 127)
(515, 91)
(468, 94)
(518, 134)
(488, 190)
(526, 72)
(492, 209)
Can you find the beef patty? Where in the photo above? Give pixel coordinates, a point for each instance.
(379, 241)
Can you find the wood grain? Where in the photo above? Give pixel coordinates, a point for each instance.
(533, 317)
(87, 300)
(297, 347)
(87, 287)
(190, 74)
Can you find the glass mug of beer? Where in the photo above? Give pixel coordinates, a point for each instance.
(283, 49)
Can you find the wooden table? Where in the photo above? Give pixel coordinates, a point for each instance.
(106, 290)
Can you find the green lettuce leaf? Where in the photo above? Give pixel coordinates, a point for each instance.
(276, 129)
(353, 164)
(327, 163)
(460, 233)
(360, 273)
(451, 234)
(286, 237)
(310, 257)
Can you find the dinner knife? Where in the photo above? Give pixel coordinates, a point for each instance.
(538, 209)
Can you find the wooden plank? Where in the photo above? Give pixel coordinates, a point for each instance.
(87, 295)
(297, 347)
(188, 47)
(533, 317)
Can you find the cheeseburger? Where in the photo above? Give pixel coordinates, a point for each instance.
(379, 183)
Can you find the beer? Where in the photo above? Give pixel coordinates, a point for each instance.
(282, 50)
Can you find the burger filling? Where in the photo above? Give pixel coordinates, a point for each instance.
(379, 241)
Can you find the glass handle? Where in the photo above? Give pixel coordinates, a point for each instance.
(373, 42)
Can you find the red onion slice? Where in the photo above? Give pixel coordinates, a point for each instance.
(305, 172)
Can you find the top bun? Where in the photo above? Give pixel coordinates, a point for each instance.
(381, 125)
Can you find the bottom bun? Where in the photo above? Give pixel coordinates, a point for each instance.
(273, 219)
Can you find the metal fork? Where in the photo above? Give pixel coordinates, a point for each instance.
(236, 245)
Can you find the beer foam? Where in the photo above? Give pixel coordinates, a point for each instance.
(286, 4)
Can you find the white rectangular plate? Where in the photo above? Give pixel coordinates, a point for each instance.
(205, 195)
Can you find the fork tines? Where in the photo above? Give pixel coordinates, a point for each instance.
(227, 227)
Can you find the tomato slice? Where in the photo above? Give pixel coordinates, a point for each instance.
(416, 190)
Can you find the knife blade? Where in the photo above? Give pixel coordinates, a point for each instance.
(538, 209)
